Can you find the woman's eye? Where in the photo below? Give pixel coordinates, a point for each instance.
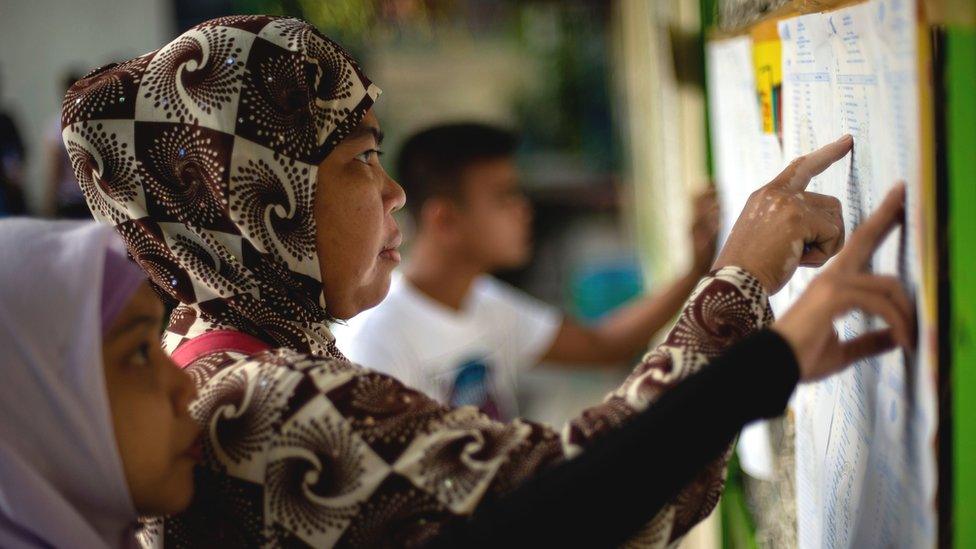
(141, 356)
(366, 156)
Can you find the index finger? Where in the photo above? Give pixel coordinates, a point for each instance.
(798, 174)
(869, 235)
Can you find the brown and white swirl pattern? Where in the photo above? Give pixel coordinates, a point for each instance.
(250, 23)
(397, 515)
(185, 174)
(270, 205)
(106, 168)
(253, 316)
(196, 75)
(598, 420)
(202, 371)
(384, 412)
(318, 474)
(146, 245)
(239, 410)
(336, 73)
(108, 92)
(278, 106)
(720, 317)
(299, 453)
(181, 319)
(461, 455)
(156, 139)
(219, 274)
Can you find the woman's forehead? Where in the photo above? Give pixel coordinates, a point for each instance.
(144, 302)
(368, 128)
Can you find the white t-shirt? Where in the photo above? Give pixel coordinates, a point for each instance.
(471, 356)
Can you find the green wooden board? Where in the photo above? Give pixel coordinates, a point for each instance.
(960, 83)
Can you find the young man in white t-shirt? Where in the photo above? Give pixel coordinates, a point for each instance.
(450, 329)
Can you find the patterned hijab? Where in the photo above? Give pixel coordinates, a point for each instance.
(204, 155)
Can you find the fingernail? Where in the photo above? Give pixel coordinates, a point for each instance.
(845, 137)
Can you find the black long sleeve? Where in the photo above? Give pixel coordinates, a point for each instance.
(609, 492)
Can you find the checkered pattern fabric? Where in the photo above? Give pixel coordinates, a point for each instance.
(204, 154)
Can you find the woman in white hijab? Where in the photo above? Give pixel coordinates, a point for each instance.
(94, 427)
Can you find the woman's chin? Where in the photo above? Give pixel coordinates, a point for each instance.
(380, 288)
(175, 496)
(368, 297)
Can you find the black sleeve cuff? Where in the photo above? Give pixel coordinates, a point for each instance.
(773, 373)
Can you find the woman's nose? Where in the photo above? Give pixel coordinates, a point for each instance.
(396, 196)
(185, 391)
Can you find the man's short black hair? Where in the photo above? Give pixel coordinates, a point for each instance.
(431, 162)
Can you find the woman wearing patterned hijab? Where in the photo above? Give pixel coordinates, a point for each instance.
(239, 164)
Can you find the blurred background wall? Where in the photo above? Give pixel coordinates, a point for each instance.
(40, 40)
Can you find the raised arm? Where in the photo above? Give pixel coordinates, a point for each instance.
(624, 333)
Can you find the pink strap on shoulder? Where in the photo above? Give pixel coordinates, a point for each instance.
(215, 342)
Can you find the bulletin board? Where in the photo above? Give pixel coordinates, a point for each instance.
(873, 465)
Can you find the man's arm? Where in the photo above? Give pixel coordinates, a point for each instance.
(626, 332)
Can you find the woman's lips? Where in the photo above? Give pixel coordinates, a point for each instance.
(391, 254)
(195, 451)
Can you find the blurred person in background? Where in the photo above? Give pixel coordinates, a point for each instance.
(12, 200)
(450, 329)
(62, 195)
(12, 158)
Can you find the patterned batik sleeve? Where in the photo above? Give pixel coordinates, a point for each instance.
(309, 452)
(724, 308)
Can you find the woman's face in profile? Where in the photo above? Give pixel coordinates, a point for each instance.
(356, 235)
(149, 396)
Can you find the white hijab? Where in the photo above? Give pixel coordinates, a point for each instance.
(61, 478)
